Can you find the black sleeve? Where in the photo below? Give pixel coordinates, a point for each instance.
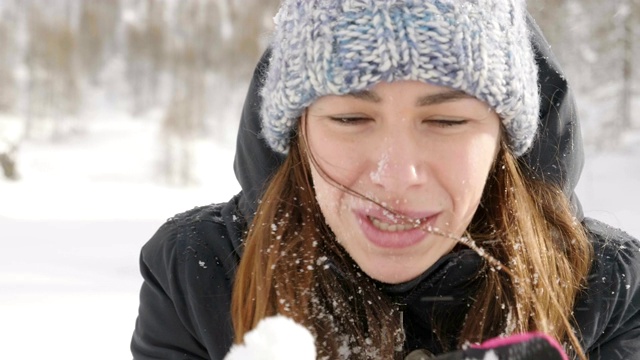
(160, 333)
(612, 307)
(185, 296)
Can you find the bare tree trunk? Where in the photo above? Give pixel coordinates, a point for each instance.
(8, 162)
(627, 71)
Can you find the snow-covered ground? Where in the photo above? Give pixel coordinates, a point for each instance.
(72, 227)
(71, 231)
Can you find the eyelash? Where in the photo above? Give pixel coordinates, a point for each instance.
(446, 123)
(345, 120)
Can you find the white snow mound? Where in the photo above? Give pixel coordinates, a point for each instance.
(276, 337)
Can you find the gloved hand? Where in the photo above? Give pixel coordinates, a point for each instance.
(529, 346)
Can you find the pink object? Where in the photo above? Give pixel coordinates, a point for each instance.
(520, 338)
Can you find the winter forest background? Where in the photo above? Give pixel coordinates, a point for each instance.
(115, 114)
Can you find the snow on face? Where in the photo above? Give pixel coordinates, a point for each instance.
(383, 163)
(418, 156)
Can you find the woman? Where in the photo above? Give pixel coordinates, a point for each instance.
(404, 198)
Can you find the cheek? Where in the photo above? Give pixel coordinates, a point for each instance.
(329, 196)
(334, 207)
(338, 164)
(325, 193)
(342, 162)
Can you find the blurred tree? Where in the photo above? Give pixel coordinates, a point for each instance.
(250, 22)
(596, 42)
(145, 53)
(9, 140)
(220, 38)
(97, 30)
(53, 88)
(185, 114)
(8, 85)
(630, 23)
(8, 162)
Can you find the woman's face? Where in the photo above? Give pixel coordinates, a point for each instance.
(422, 151)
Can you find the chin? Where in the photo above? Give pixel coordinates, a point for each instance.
(392, 276)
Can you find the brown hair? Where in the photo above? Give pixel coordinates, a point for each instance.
(545, 248)
(289, 247)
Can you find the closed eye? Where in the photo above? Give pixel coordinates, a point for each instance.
(445, 123)
(349, 120)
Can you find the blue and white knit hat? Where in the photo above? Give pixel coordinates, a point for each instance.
(335, 47)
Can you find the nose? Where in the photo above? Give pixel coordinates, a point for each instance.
(400, 164)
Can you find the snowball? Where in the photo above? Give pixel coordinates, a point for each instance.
(490, 355)
(276, 337)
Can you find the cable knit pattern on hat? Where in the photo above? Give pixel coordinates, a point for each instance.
(334, 47)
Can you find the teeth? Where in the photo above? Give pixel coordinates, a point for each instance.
(391, 227)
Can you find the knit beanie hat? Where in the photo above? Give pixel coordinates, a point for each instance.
(335, 47)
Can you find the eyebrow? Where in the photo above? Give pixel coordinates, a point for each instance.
(366, 95)
(427, 100)
(443, 97)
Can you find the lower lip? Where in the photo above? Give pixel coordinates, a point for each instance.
(392, 239)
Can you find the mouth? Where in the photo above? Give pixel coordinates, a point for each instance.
(395, 227)
(388, 232)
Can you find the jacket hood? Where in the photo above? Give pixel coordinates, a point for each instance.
(556, 156)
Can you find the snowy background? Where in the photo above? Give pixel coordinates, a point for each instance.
(70, 240)
(93, 182)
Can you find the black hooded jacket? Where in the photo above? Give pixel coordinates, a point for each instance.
(188, 266)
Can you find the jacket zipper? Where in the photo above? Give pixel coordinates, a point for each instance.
(402, 336)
